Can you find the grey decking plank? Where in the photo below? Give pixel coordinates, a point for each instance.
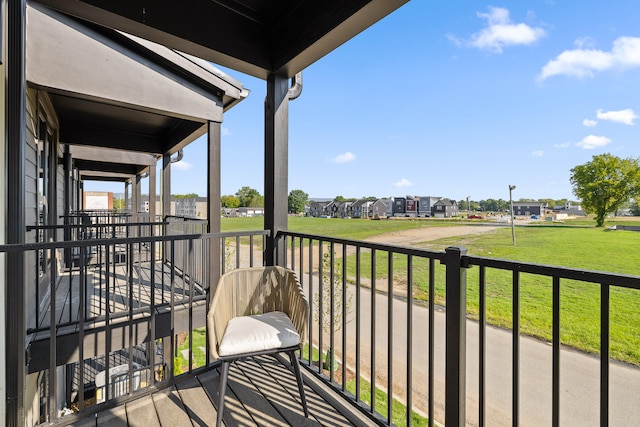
(319, 408)
(115, 417)
(262, 411)
(171, 412)
(142, 413)
(196, 401)
(235, 413)
(84, 422)
(286, 402)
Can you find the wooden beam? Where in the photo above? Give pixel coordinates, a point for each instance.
(72, 133)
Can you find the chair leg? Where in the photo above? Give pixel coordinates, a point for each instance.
(296, 370)
(222, 388)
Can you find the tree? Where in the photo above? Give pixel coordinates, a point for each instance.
(249, 196)
(118, 204)
(229, 201)
(297, 201)
(605, 183)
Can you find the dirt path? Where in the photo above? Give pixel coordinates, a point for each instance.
(427, 234)
(413, 237)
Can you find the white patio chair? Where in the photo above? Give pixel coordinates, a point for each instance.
(257, 311)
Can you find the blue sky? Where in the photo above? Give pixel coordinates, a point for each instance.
(455, 99)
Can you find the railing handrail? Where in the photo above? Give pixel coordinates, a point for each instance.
(369, 245)
(17, 247)
(90, 225)
(590, 276)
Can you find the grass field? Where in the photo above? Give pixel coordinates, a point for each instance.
(576, 244)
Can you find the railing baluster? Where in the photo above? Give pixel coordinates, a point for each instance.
(130, 317)
(555, 416)
(237, 251)
(482, 351)
(345, 300)
(311, 316)
(373, 332)
(409, 359)
(81, 315)
(251, 251)
(53, 348)
(320, 305)
(358, 325)
(390, 338)
(188, 279)
(515, 387)
(332, 316)
(604, 353)
(431, 337)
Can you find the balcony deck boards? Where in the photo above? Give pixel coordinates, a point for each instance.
(120, 299)
(261, 392)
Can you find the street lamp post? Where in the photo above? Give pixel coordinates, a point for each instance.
(513, 230)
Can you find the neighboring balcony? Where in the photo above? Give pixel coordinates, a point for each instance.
(382, 349)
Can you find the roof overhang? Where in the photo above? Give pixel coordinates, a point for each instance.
(257, 37)
(112, 165)
(113, 90)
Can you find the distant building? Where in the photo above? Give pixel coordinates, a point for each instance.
(378, 209)
(399, 206)
(445, 208)
(97, 200)
(529, 208)
(318, 208)
(425, 205)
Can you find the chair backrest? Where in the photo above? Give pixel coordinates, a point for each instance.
(256, 290)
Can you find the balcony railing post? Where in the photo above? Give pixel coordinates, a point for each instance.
(456, 332)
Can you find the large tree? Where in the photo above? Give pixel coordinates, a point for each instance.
(229, 201)
(297, 200)
(605, 183)
(249, 197)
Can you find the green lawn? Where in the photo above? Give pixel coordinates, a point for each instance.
(576, 244)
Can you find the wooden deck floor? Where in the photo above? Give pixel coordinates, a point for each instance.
(261, 392)
(116, 290)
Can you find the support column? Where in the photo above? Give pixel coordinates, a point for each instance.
(152, 193)
(166, 185)
(135, 197)
(68, 200)
(213, 200)
(14, 284)
(127, 204)
(276, 164)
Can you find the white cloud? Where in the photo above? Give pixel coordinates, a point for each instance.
(584, 42)
(592, 142)
(564, 145)
(589, 123)
(344, 158)
(625, 53)
(621, 116)
(403, 183)
(225, 132)
(537, 153)
(501, 32)
(181, 165)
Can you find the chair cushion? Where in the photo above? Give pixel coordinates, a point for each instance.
(260, 332)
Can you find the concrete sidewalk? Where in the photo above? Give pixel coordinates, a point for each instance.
(579, 372)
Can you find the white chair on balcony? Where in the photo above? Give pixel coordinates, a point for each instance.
(257, 311)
